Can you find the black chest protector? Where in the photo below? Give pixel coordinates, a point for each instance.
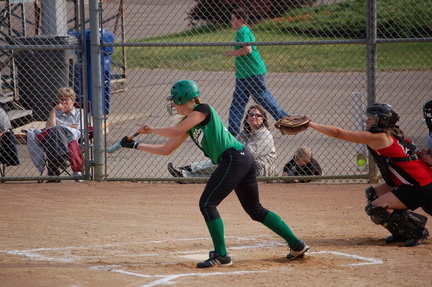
(384, 162)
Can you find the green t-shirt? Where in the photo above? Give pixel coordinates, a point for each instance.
(250, 64)
(213, 138)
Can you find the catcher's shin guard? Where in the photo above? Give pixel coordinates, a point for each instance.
(370, 194)
(403, 224)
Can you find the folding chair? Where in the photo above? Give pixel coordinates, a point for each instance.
(82, 142)
(73, 152)
(35, 140)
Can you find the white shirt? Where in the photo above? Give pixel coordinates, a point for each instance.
(74, 117)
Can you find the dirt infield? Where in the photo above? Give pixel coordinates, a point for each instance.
(140, 234)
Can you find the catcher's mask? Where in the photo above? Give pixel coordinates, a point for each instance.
(181, 92)
(384, 115)
(427, 113)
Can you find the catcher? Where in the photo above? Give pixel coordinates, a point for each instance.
(236, 169)
(408, 179)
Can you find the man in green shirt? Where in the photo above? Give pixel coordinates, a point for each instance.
(250, 76)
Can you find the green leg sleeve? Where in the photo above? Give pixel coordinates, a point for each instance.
(217, 233)
(277, 225)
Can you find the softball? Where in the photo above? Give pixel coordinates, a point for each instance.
(361, 162)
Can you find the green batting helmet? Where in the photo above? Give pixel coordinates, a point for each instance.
(182, 91)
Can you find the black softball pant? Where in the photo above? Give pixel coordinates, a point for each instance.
(236, 171)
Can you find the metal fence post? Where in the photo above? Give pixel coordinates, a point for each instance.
(88, 157)
(371, 28)
(97, 89)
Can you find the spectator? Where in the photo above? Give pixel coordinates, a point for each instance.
(60, 137)
(426, 154)
(8, 149)
(255, 136)
(250, 75)
(5, 124)
(302, 164)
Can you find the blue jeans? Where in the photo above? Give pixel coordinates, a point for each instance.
(244, 88)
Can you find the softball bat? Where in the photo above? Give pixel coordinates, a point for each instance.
(117, 145)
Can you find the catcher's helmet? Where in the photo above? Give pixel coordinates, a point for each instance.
(384, 114)
(182, 91)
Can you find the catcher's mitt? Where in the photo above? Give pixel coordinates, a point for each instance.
(292, 125)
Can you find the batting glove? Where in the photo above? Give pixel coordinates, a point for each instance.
(125, 142)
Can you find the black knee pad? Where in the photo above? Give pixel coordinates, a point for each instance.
(378, 215)
(370, 194)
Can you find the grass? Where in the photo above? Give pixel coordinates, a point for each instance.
(337, 21)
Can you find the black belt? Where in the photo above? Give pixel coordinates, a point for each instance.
(403, 159)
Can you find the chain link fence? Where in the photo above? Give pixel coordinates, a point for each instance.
(324, 59)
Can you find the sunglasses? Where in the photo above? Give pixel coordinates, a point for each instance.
(255, 115)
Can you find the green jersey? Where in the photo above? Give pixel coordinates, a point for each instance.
(250, 64)
(211, 136)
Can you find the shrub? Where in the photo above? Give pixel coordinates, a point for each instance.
(219, 11)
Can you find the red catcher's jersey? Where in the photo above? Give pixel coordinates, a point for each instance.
(408, 172)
